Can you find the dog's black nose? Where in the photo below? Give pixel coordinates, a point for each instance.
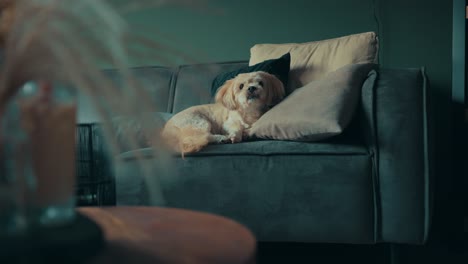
(252, 88)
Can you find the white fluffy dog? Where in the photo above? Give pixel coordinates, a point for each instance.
(238, 104)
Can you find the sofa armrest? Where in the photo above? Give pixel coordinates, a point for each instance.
(135, 132)
(96, 163)
(397, 123)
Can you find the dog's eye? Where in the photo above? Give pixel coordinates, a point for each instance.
(241, 86)
(260, 83)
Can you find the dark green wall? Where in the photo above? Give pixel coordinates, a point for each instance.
(228, 28)
(413, 33)
(419, 33)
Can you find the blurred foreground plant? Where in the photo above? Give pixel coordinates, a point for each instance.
(66, 41)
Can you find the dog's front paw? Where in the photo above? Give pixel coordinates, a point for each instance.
(235, 140)
(222, 139)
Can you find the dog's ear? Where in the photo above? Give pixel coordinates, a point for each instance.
(275, 92)
(225, 95)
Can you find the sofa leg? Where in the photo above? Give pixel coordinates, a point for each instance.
(395, 254)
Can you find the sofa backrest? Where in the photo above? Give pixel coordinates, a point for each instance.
(193, 83)
(157, 83)
(168, 89)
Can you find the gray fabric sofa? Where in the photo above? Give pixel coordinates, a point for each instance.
(369, 185)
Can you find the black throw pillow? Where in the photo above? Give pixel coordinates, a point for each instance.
(278, 67)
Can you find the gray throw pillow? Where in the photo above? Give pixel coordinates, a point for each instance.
(318, 110)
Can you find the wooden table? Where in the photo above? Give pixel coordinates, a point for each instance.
(167, 235)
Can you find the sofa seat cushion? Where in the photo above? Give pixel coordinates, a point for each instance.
(283, 191)
(265, 148)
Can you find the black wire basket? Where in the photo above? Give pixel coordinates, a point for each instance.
(95, 184)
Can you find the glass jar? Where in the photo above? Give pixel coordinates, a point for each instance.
(16, 178)
(45, 113)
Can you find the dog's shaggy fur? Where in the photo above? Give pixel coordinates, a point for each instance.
(238, 104)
